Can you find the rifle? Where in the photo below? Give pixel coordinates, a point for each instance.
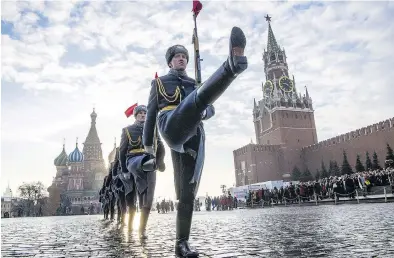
(197, 6)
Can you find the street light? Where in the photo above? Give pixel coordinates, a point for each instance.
(255, 172)
(223, 189)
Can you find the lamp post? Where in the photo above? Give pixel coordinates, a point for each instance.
(255, 172)
(223, 189)
(11, 204)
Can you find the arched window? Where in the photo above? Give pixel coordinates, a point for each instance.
(273, 57)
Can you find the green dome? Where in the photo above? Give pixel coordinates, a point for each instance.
(61, 160)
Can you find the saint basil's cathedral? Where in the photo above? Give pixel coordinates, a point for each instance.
(80, 174)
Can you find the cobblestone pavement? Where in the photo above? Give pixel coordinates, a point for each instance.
(363, 230)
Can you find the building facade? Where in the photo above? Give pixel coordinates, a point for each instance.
(285, 129)
(80, 174)
(6, 203)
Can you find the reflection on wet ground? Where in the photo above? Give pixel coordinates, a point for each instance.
(364, 230)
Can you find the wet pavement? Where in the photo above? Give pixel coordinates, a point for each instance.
(364, 230)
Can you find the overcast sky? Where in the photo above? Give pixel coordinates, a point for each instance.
(61, 59)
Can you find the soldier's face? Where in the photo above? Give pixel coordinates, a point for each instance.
(141, 116)
(179, 62)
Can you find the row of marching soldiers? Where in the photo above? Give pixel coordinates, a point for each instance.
(132, 174)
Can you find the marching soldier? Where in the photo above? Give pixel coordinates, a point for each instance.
(110, 190)
(119, 189)
(178, 107)
(139, 167)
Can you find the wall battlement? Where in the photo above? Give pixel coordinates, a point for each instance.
(256, 148)
(386, 125)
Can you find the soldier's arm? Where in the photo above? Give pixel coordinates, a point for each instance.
(123, 150)
(115, 168)
(160, 152)
(150, 122)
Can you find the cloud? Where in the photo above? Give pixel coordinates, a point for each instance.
(59, 59)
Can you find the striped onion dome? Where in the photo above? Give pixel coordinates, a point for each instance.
(62, 159)
(76, 155)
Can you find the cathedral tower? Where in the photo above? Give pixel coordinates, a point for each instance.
(76, 171)
(93, 156)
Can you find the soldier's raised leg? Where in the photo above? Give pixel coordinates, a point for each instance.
(182, 124)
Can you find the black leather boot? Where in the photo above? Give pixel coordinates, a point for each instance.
(149, 165)
(131, 217)
(112, 209)
(183, 225)
(219, 81)
(143, 221)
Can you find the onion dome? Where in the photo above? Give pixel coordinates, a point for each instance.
(112, 154)
(61, 160)
(76, 155)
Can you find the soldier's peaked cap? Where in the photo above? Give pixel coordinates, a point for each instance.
(176, 49)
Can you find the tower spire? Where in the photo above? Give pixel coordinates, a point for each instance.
(92, 146)
(92, 137)
(272, 45)
(306, 93)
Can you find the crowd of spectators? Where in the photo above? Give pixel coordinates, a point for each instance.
(332, 187)
(221, 203)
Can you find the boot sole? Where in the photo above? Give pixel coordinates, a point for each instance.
(189, 256)
(238, 38)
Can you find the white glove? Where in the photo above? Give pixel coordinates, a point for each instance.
(149, 149)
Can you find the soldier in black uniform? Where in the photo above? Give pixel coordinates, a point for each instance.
(103, 198)
(178, 107)
(118, 187)
(140, 166)
(110, 189)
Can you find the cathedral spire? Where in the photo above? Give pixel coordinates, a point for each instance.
(272, 45)
(92, 137)
(92, 145)
(306, 92)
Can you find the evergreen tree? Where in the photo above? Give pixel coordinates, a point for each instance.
(336, 170)
(359, 165)
(307, 175)
(389, 155)
(331, 168)
(317, 175)
(375, 161)
(296, 174)
(346, 168)
(368, 162)
(324, 172)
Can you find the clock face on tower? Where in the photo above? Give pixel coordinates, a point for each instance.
(268, 88)
(286, 84)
